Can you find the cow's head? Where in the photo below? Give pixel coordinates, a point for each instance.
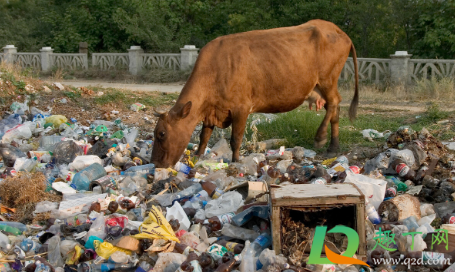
(172, 134)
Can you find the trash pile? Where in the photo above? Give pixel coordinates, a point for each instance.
(87, 198)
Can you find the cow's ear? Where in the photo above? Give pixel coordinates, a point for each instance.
(185, 110)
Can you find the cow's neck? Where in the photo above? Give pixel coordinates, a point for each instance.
(198, 100)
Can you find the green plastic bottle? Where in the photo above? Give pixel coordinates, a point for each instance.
(401, 186)
(9, 229)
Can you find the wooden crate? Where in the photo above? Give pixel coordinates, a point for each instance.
(305, 197)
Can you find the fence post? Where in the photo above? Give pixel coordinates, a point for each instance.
(9, 52)
(46, 62)
(399, 66)
(188, 56)
(135, 56)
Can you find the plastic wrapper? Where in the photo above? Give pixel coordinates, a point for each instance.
(98, 228)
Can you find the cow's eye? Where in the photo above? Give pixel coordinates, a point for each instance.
(162, 134)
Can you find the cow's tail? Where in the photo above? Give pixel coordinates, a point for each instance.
(355, 100)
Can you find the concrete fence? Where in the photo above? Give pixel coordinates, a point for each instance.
(399, 68)
(134, 61)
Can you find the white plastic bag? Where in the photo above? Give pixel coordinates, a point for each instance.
(54, 255)
(373, 189)
(228, 202)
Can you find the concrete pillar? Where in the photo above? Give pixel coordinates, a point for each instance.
(9, 52)
(83, 47)
(399, 68)
(188, 55)
(46, 61)
(135, 56)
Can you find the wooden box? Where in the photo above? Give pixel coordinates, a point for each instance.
(345, 201)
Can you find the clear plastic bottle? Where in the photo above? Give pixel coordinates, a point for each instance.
(83, 178)
(167, 199)
(142, 170)
(196, 201)
(247, 264)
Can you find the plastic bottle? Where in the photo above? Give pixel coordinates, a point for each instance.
(196, 201)
(167, 199)
(401, 186)
(211, 189)
(263, 241)
(141, 170)
(83, 178)
(238, 232)
(217, 222)
(231, 246)
(10, 229)
(104, 267)
(17, 225)
(229, 265)
(403, 170)
(272, 175)
(372, 213)
(247, 264)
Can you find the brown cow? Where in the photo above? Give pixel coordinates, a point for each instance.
(266, 71)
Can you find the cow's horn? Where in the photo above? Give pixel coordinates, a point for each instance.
(159, 112)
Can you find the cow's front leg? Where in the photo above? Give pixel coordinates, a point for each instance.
(205, 137)
(238, 128)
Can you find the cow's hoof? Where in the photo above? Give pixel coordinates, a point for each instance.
(320, 144)
(330, 154)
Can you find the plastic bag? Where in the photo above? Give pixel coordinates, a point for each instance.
(168, 262)
(56, 120)
(54, 256)
(155, 226)
(80, 162)
(19, 132)
(98, 228)
(372, 188)
(228, 202)
(19, 108)
(105, 249)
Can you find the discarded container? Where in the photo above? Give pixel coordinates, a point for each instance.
(338, 201)
(399, 208)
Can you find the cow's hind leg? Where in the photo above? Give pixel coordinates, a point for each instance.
(238, 128)
(333, 99)
(205, 137)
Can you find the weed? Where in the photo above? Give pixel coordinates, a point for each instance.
(434, 113)
(111, 96)
(72, 95)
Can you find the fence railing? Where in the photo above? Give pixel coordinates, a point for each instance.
(171, 61)
(399, 68)
(134, 61)
(371, 70)
(108, 61)
(25, 60)
(69, 61)
(427, 68)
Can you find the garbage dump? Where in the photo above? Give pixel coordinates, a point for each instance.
(78, 198)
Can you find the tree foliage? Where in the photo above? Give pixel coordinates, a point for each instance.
(426, 28)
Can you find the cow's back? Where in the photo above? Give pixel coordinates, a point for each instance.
(270, 70)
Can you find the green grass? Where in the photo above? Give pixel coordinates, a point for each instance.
(299, 127)
(112, 96)
(149, 99)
